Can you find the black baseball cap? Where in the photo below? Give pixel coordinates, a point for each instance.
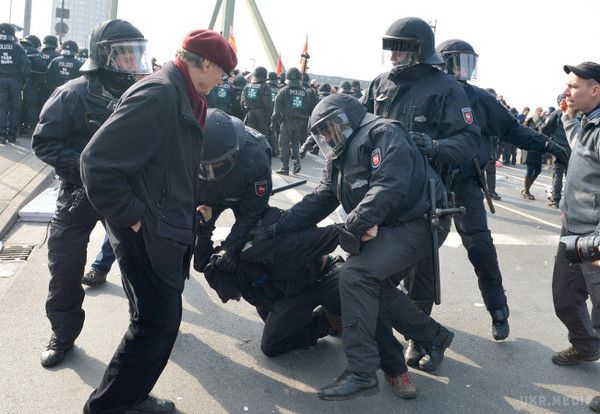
(585, 70)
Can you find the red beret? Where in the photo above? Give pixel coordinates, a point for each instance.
(212, 46)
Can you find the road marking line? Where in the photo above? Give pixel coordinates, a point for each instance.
(453, 240)
(529, 216)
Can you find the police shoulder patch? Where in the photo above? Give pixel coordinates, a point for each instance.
(467, 115)
(376, 158)
(260, 188)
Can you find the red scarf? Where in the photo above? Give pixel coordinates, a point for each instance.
(198, 101)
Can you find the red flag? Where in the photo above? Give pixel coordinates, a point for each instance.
(279, 65)
(232, 40)
(304, 57)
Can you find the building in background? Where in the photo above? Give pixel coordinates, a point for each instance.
(84, 15)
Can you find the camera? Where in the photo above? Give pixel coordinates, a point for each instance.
(580, 249)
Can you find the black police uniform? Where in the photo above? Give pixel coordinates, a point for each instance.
(245, 190)
(48, 53)
(61, 70)
(256, 100)
(68, 120)
(380, 179)
(554, 129)
(34, 86)
(426, 100)
(14, 69)
(222, 97)
(293, 106)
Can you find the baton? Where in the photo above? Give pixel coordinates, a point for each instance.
(484, 187)
(287, 187)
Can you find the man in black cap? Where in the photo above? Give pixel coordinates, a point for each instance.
(574, 283)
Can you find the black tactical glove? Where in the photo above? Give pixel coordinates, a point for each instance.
(224, 261)
(308, 145)
(425, 143)
(558, 151)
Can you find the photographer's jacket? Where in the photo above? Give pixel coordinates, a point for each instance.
(581, 203)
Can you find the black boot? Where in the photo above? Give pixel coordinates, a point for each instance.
(500, 328)
(297, 168)
(595, 404)
(2, 139)
(55, 352)
(435, 354)
(283, 171)
(413, 354)
(350, 385)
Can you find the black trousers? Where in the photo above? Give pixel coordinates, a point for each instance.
(292, 323)
(477, 239)
(509, 154)
(572, 285)
(32, 102)
(259, 120)
(490, 175)
(70, 230)
(560, 170)
(10, 105)
(292, 134)
(155, 315)
(364, 289)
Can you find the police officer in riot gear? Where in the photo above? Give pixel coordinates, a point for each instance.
(237, 109)
(309, 89)
(256, 100)
(281, 83)
(14, 70)
(65, 67)
(83, 54)
(435, 110)
(461, 62)
(384, 192)
(34, 85)
(355, 89)
(235, 172)
(324, 91)
(346, 87)
(221, 97)
(71, 116)
(49, 53)
(273, 82)
(290, 118)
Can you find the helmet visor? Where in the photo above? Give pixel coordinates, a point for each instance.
(331, 132)
(213, 170)
(127, 56)
(463, 66)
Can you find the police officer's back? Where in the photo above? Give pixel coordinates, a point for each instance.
(49, 53)
(222, 97)
(14, 69)
(293, 106)
(34, 85)
(273, 82)
(256, 99)
(65, 67)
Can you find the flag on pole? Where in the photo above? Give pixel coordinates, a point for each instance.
(279, 65)
(304, 57)
(232, 40)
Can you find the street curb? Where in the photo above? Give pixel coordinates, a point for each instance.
(10, 215)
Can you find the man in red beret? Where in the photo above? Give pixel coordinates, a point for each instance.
(140, 171)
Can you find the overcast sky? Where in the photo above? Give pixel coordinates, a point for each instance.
(522, 45)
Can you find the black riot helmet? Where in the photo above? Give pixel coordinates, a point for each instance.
(282, 77)
(34, 41)
(222, 136)
(7, 32)
(346, 87)
(51, 41)
(325, 89)
(260, 74)
(292, 77)
(460, 59)
(355, 85)
(83, 53)
(239, 82)
(69, 48)
(411, 41)
(272, 77)
(334, 121)
(118, 52)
